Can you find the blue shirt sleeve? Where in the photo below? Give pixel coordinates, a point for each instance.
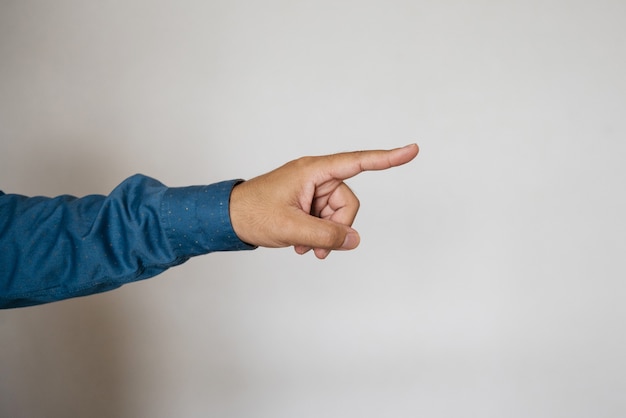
(58, 248)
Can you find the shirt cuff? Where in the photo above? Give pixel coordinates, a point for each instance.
(196, 219)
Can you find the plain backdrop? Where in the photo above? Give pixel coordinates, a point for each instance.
(490, 277)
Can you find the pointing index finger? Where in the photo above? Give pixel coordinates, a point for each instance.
(348, 164)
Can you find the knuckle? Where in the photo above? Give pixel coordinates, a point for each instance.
(330, 237)
(303, 161)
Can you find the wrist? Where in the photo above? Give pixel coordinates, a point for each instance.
(238, 214)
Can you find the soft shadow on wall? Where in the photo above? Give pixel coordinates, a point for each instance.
(107, 355)
(67, 358)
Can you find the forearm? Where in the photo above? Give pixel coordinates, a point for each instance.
(63, 247)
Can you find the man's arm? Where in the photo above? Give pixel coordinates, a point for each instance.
(57, 248)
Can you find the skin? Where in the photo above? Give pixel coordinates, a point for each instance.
(305, 203)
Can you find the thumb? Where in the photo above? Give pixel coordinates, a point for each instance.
(313, 232)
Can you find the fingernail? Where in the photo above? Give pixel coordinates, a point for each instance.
(351, 241)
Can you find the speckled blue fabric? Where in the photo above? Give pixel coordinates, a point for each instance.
(58, 248)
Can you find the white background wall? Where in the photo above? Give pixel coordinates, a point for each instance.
(490, 278)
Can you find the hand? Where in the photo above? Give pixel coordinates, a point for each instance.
(305, 203)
